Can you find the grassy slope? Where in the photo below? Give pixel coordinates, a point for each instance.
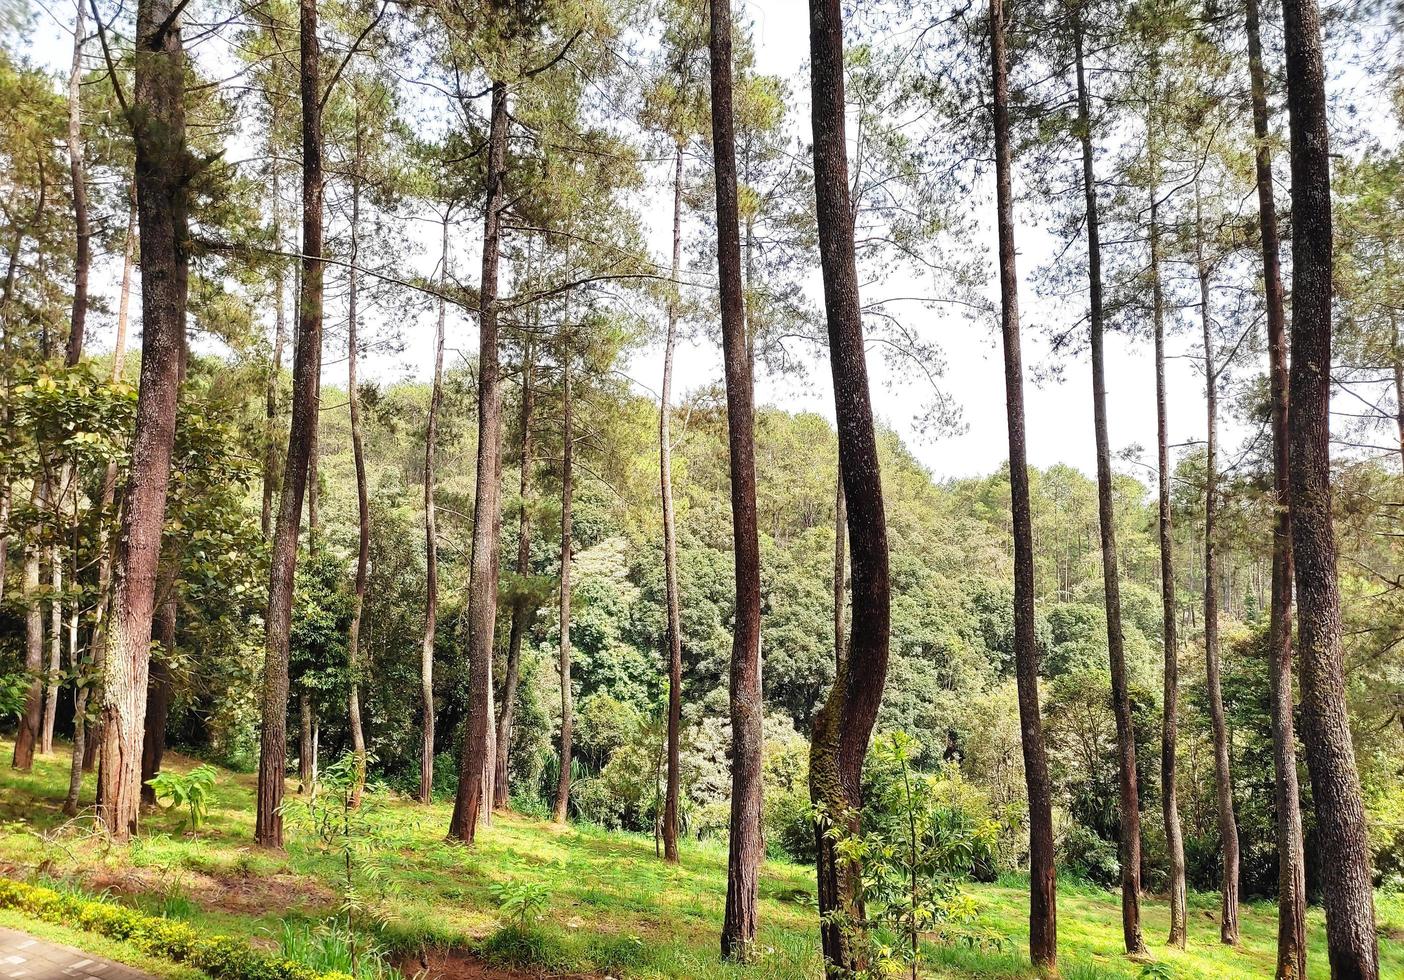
(614, 905)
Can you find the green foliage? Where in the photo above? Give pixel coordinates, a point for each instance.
(193, 790)
(331, 948)
(521, 903)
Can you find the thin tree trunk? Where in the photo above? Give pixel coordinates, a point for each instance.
(1351, 941)
(307, 358)
(567, 490)
(162, 181)
(1398, 358)
(1223, 780)
(746, 847)
(1170, 723)
(28, 736)
(1043, 883)
(1291, 866)
(1130, 849)
(51, 689)
(487, 514)
(306, 753)
(431, 547)
(79, 176)
(844, 724)
(353, 398)
(280, 332)
(670, 541)
(520, 609)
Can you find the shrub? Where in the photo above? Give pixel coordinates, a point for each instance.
(193, 790)
(222, 957)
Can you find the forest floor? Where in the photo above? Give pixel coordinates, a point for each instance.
(612, 907)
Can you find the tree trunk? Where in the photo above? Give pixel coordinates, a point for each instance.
(353, 398)
(487, 514)
(79, 176)
(280, 332)
(1351, 941)
(158, 696)
(746, 846)
(844, 724)
(670, 541)
(307, 359)
(1223, 780)
(1170, 724)
(431, 547)
(162, 180)
(306, 753)
(1043, 884)
(1291, 873)
(520, 610)
(1130, 849)
(27, 737)
(51, 690)
(567, 474)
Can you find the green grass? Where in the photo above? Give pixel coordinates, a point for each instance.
(615, 907)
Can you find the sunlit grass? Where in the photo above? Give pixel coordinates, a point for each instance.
(615, 906)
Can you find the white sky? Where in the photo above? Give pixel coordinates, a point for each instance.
(1059, 422)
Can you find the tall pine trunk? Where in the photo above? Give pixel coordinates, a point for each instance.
(746, 847)
(1351, 941)
(163, 166)
(487, 513)
(358, 451)
(567, 490)
(670, 538)
(1129, 797)
(307, 365)
(1223, 779)
(431, 543)
(1043, 884)
(844, 724)
(1291, 861)
(280, 332)
(82, 255)
(520, 608)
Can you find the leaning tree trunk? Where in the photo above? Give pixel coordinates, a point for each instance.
(487, 514)
(1170, 724)
(845, 723)
(163, 170)
(1223, 779)
(1130, 850)
(1291, 861)
(567, 454)
(82, 254)
(1043, 883)
(670, 539)
(1351, 941)
(746, 846)
(520, 608)
(431, 546)
(307, 363)
(358, 451)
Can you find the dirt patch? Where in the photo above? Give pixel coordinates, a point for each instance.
(241, 894)
(460, 964)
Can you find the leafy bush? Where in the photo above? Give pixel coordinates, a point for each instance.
(522, 903)
(193, 790)
(222, 957)
(1086, 855)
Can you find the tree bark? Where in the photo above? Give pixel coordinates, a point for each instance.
(670, 540)
(1043, 884)
(306, 752)
(162, 180)
(567, 475)
(27, 737)
(1130, 844)
(746, 847)
(431, 547)
(487, 514)
(307, 359)
(520, 611)
(158, 696)
(51, 690)
(82, 256)
(1223, 779)
(1291, 873)
(280, 332)
(358, 451)
(844, 724)
(1351, 941)
(1170, 724)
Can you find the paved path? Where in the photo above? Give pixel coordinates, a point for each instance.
(22, 957)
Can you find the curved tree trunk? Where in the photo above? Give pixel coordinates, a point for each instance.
(1170, 724)
(844, 724)
(1291, 862)
(1043, 883)
(746, 847)
(670, 539)
(487, 514)
(1223, 780)
(162, 181)
(307, 363)
(431, 546)
(1351, 941)
(1130, 844)
(558, 814)
(520, 609)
